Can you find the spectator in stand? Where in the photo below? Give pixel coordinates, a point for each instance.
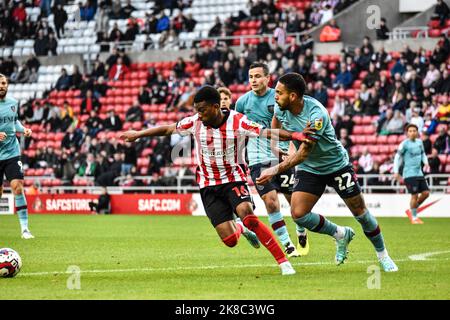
(401, 104)
(71, 139)
(67, 116)
(135, 113)
(60, 19)
(216, 29)
(127, 10)
(116, 10)
(19, 14)
(88, 167)
(94, 123)
(87, 11)
(414, 84)
(432, 76)
(100, 87)
(441, 12)
(372, 76)
(399, 67)
(189, 23)
(112, 122)
(118, 70)
(52, 44)
(397, 92)
(344, 78)
(443, 85)
(115, 35)
(41, 45)
(321, 94)
(345, 139)
(89, 103)
(366, 160)
(64, 81)
(23, 74)
(395, 124)
(382, 31)
(131, 32)
(163, 23)
(442, 143)
(339, 106)
(434, 162)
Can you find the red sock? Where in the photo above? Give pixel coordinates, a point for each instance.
(265, 236)
(232, 239)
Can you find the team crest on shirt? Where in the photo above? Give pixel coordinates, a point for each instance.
(13, 108)
(318, 124)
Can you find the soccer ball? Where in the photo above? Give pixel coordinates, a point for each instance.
(10, 263)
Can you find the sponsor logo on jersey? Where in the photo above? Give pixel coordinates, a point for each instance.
(318, 124)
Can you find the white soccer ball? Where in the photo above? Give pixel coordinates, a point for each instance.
(10, 263)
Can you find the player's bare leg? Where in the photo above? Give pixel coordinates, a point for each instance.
(371, 229)
(21, 207)
(414, 207)
(415, 201)
(229, 232)
(245, 211)
(301, 205)
(277, 223)
(302, 236)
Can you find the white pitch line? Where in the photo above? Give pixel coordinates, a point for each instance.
(424, 256)
(199, 267)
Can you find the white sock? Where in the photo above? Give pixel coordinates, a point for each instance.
(340, 233)
(382, 254)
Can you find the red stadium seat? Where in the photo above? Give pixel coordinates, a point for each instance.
(373, 149)
(137, 125)
(447, 168)
(369, 129)
(358, 130)
(382, 139)
(392, 139)
(385, 149)
(372, 139)
(357, 119)
(367, 120)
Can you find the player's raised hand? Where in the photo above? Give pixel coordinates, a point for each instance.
(129, 136)
(27, 132)
(3, 136)
(266, 176)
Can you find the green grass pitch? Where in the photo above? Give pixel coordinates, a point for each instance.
(166, 257)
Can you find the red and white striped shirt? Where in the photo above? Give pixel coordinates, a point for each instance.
(219, 151)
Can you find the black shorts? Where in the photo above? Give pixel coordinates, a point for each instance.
(416, 185)
(283, 182)
(220, 201)
(343, 181)
(12, 169)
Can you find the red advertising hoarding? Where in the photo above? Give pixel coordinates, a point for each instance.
(167, 204)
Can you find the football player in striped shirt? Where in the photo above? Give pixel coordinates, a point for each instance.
(219, 137)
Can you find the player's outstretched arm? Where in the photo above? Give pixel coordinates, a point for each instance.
(165, 130)
(290, 162)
